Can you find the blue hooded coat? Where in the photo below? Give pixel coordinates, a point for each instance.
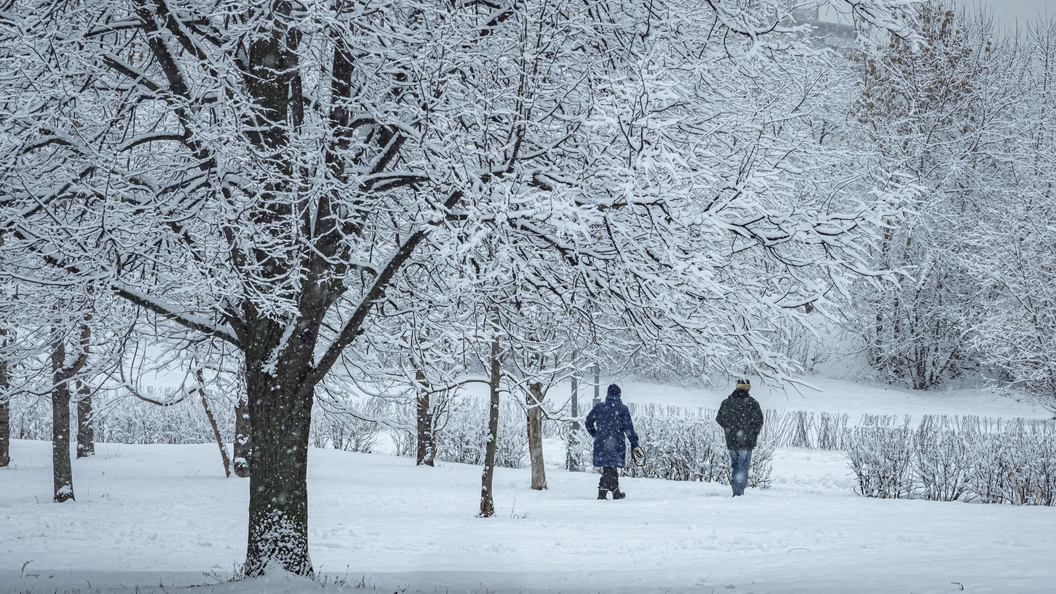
(607, 423)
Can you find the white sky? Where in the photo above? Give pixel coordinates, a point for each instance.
(1007, 13)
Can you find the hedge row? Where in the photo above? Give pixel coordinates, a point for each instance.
(957, 458)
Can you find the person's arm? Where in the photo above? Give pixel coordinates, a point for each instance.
(723, 418)
(628, 428)
(757, 418)
(592, 422)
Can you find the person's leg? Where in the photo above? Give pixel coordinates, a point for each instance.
(743, 462)
(616, 492)
(740, 461)
(609, 481)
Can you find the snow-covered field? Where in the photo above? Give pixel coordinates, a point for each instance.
(163, 518)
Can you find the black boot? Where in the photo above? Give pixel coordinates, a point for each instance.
(618, 494)
(604, 494)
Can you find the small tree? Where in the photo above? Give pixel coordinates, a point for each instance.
(5, 404)
(64, 370)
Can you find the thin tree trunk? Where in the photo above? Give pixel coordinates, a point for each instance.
(535, 435)
(487, 502)
(426, 445)
(85, 424)
(216, 430)
(5, 407)
(5, 427)
(597, 384)
(62, 467)
(571, 458)
(242, 449)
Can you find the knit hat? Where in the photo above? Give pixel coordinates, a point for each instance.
(744, 384)
(614, 390)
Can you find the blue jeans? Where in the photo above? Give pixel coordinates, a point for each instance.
(740, 460)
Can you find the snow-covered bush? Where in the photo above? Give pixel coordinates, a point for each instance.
(942, 458)
(831, 429)
(686, 445)
(881, 458)
(121, 418)
(950, 458)
(1016, 464)
(346, 431)
(465, 436)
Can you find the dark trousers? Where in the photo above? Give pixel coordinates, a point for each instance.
(610, 479)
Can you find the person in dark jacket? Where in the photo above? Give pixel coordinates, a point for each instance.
(607, 423)
(742, 420)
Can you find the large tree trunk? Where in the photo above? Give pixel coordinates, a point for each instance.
(62, 467)
(280, 413)
(85, 425)
(5, 408)
(535, 435)
(426, 444)
(487, 502)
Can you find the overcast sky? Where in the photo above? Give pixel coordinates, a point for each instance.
(1006, 12)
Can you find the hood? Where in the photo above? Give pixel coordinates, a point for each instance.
(739, 394)
(613, 393)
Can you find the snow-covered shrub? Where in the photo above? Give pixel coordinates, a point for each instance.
(968, 458)
(1016, 465)
(831, 429)
(344, 430)
(402, 432)
(881, 458)
(762, 465)
(942, 459)
(686, 445)
(805, 429)
(581, 449)
(121, 418)
(465, 436)
(31, 418)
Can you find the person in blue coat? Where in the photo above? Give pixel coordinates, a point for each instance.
(608, 422)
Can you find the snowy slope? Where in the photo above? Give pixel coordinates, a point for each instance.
(161, 517)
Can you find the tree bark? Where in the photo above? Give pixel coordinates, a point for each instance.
(572, 459)
(242, 449)
(62, 467)
(535, 435)
(426, 444)
(85, 424)
(5, 408)
(280, 412)
(487, 502)
(5, 429)
(216, 433)
(597, 384)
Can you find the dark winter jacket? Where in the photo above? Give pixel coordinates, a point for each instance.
(607, 423)
(742, 420)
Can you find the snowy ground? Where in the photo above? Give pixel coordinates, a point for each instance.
(160, 518)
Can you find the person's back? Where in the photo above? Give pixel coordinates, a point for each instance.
(741, 418)
(607, 423)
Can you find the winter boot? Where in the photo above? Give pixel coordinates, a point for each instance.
(603, 494)
(618, 494)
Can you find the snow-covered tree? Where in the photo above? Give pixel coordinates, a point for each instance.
(1014, 246)
(936, 114)
(261, 173)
